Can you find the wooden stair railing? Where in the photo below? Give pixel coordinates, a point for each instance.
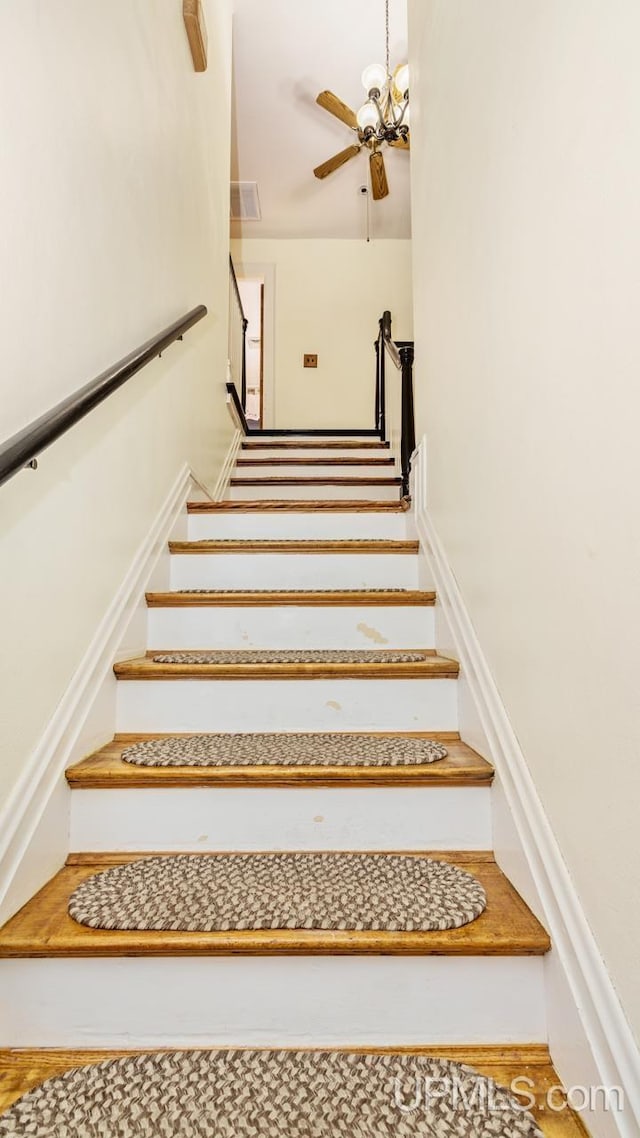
(401, 353)
(238, 324)
(22, 449)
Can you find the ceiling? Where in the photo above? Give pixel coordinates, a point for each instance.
(285, 53)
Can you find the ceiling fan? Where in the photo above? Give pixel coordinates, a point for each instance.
(368, 138)
(383, 120)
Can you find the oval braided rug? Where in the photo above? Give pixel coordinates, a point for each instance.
(293, 656)
(322, 749)
(293, 589)
(220, 892)
(269, 1094)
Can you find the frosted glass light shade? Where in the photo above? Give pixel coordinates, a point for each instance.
(374, 75)
(401, 78)
(367, 116)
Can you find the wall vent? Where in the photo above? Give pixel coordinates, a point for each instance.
(245, 205)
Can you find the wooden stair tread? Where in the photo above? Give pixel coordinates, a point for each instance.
(299, 480)
(22, 1071)
(105, 769)
(432, 666)
(304, 545)
(343, 460)
(43, 927)
(250, 598)
(301, 506)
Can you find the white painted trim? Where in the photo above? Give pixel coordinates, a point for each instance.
(222, 483)
(606, 1030)
(34, 819)
(202, 487)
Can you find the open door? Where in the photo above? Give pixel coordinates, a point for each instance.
(252, 293)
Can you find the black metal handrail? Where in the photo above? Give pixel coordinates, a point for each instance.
(245, 324)
(380, 413)
(401, 353)
(284, 432)
(22, 449)
(239, 409)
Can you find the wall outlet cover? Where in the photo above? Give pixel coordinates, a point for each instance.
(310, 360)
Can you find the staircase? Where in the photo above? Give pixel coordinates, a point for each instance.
(311, 553)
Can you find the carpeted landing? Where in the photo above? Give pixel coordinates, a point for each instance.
(297, 749)
(269, 1094)
(223, 892)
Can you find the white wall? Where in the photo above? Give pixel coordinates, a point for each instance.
(114, 223)
(329, 296)
(526, 191)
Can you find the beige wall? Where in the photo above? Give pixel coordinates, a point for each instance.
(526, 168)
(114, 223)
(329, 296)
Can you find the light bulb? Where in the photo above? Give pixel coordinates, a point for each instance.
(367, 116)
(401, 78)
(374, 75)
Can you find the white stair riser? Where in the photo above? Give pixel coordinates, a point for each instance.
(267, 470)
(296, 705)
(305, 453)
(316, 493)
(307, 1001)
(322, 438)
(293, 571)
(205, 818)
(284, 626)
(329, 526)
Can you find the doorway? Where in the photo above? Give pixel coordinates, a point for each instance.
(252, 295)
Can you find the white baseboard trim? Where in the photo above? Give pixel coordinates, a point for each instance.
(200, 485)
(34, 819)
(226, 471)
(607, 1033)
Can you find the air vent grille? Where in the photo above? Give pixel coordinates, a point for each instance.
(245, 205)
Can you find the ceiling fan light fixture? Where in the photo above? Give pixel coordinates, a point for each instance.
(374, 77)
(401, 80)
(382, 121)
(367, 116)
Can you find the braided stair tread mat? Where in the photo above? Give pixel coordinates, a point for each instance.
(293, 656)
(223, 892)
(294, 589)
(329, 749)
(269, 1094)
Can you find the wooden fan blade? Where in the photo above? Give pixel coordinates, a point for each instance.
(335, 106)
(402, 143)
(379, 184)
(334, 163)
